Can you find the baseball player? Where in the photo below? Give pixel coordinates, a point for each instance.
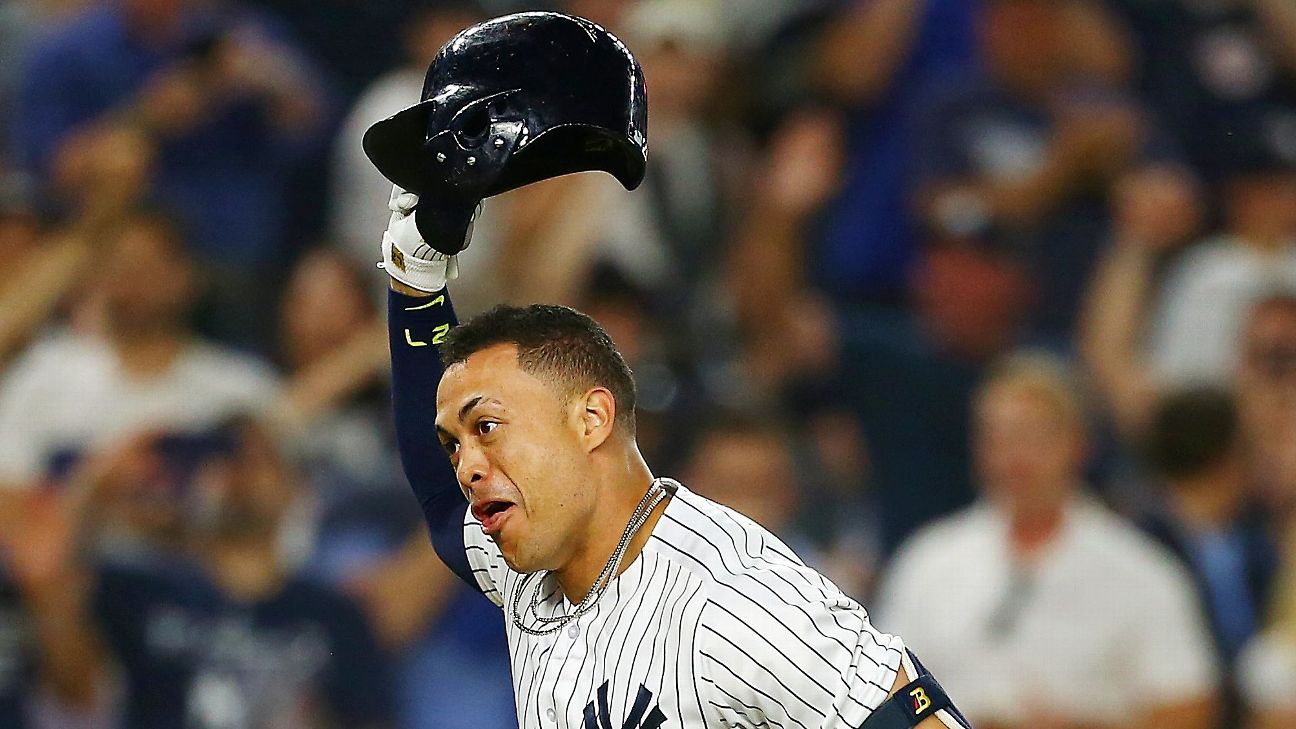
(630, 602)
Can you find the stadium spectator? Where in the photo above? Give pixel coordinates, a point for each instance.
(222, 635)
(1156, 214)
(232, 107)
(757, 467)
(1067, 615)
(1154, 211)
(1019, 155)
(333, 346)
(1196, 330)
(32, 287)
(1217, 71)
(875, 59)
(747, 464)
(909, 398)
(1267, 669)
(783, 322)
(1207, 517)
(139, 367)
(1266, 386)
(1267, 382)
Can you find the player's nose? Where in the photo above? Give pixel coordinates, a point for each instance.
(472, 467)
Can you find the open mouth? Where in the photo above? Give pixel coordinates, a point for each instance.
(492, 514)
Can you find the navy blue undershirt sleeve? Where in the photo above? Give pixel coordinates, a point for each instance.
(415, 326)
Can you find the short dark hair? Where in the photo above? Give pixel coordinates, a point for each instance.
(1191, 430)
(554, 341)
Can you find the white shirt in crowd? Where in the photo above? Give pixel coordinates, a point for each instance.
(68, 392)
(1102, 627)
(1267, 670)
(1204, 304)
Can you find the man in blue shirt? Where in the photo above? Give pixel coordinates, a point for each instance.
(217, 634)
(231, 107)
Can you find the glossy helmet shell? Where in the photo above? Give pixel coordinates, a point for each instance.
(511, 101)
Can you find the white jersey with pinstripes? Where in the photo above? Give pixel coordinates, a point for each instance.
(715, 624)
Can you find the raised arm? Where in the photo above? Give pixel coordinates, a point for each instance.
(1155, 211)
(416, 324)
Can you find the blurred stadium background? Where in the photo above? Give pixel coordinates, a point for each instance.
(986, 307)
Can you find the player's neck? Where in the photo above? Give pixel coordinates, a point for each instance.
(624, 485)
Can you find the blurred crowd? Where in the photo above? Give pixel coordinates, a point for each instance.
(985, 307)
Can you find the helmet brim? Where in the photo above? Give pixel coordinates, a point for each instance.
(395, 145)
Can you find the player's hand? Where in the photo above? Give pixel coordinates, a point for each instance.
(408, 258)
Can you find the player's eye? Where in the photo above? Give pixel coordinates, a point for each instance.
(486, 427)
(451, 447)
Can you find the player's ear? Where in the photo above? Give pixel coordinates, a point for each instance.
(597, 415)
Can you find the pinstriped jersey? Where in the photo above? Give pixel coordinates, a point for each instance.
(715, 624)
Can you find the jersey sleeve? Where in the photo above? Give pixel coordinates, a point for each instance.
(786, 648)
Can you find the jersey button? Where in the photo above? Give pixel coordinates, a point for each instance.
(573, 630)
(553, 715)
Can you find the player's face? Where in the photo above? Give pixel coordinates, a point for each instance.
(516, 447)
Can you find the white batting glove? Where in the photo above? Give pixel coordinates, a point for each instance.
(406, 257)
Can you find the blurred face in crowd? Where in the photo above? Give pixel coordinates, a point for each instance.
(1021, 41)
(147, 281)
(521, 450)
(1266, 379)
(324, 306)
(1263, 205)
(154, 16)
(625, 321)
(1028, 447)
(18, 234)
(751, 472)
(679, 77)
(243, 492)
